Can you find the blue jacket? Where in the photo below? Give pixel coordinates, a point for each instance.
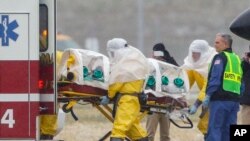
(215, 79)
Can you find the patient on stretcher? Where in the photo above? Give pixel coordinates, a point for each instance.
(87, 72)
(167, 85)
(83, 71)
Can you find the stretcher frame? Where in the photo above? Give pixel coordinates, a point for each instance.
(105, 110)
(71, 98)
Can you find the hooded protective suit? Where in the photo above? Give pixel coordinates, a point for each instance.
(198, 72)
(129, 68)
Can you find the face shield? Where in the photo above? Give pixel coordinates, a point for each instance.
(197, 49)
(196, 56)
(113, 48)
(111, 54)
(199, 57)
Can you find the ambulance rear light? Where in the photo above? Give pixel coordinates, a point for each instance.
(40, 84)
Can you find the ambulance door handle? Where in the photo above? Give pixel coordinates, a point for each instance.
(43, 108)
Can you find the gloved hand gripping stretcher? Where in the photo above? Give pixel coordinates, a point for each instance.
(165, 91)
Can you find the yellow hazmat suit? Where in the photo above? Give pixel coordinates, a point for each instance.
(196, 63)
(129, 69)
(201, 83)
(127, 120)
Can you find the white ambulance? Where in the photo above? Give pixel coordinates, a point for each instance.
(27, 66)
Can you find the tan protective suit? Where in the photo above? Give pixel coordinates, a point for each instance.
(198, 72)
(129, 69)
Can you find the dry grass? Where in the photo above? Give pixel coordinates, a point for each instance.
(92, 125)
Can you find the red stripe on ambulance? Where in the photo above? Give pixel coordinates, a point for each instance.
(19, 76)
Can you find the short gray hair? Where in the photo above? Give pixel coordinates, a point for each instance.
(227, 37)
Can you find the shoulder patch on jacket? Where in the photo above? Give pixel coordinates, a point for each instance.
(217, 62)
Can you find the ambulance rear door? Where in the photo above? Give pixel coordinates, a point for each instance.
(19, 69)
(47, 48)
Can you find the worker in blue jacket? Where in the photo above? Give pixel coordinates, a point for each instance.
(223, 89)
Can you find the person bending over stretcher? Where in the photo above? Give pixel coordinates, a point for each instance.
(129, 68)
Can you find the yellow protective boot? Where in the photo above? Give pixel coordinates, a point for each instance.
(48, 126)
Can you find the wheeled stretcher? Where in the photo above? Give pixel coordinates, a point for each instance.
(78, 84)
(82, 75)
(165, 91)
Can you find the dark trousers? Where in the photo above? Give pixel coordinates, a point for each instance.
(221, 115)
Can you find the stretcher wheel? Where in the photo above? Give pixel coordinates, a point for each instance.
(65, 109)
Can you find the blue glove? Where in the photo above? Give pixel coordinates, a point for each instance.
(104, 100)
(206, 101)
(193, 109)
